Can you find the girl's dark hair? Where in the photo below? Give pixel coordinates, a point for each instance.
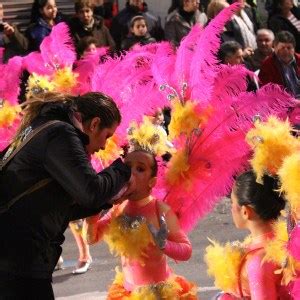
(264, 198)
(90, 105)
(35, 9)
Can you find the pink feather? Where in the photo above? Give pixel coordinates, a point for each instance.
(85, 68)
(10, 80)
(57, 49)
(294, 243)
(204, 62)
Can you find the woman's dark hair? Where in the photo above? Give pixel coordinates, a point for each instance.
(35, 9)
(90, 105)
(264, 198)
(94, 104)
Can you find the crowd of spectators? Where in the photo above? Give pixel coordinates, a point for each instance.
(269, 51)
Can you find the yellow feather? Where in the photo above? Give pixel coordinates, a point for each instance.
(186, 118)
(289, 175)
(276, 247)
(64, 80)
(147, 136)
(128, 242)
(38, 84)
(178, 168)
(223, 263)
(272, 142)
(8, 114)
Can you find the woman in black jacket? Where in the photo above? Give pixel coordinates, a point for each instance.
(33, 227)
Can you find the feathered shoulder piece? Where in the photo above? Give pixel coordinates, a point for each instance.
(146, 136)
(272, 141)
(223, 263)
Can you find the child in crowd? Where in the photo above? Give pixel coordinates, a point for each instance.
(86, 45)
(138, 33)
(44, 15)
(85, 24)
(143, 231)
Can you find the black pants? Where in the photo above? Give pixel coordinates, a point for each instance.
(13, 288)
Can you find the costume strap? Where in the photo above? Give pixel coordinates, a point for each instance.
(243, 260)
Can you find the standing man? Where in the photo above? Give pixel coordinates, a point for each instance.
(264, 39)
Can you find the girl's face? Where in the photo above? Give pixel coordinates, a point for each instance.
(49, 11)
(139, 28)
(159, 117)
(236, 211)
(141, 164)
(92, 48)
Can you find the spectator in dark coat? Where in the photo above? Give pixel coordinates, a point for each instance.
(121, 23)
(11, 39)
(264, 39)
(283, 66)
(180, 22)
(285, 17)
(138, 34)
(85, 24)
(44, 16)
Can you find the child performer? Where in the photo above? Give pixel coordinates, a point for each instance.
(252, 270)
(143, 231)
(255, 207)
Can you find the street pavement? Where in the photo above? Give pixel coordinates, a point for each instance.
(93, 284)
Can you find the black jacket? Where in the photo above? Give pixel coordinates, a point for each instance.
(32, 229)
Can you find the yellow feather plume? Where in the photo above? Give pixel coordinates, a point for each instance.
(147, 136)
(111, 151)
(186, 118)
(223, 264)
(128, 242)
(37, 84)
(272, 142)
(289, 175)
(179, 167)
(8, 114)
(64, 80)
(276, 247)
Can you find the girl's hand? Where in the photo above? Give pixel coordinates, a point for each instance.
(159, 235)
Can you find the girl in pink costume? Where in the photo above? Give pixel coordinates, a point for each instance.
(143, 231)
(255, 207)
